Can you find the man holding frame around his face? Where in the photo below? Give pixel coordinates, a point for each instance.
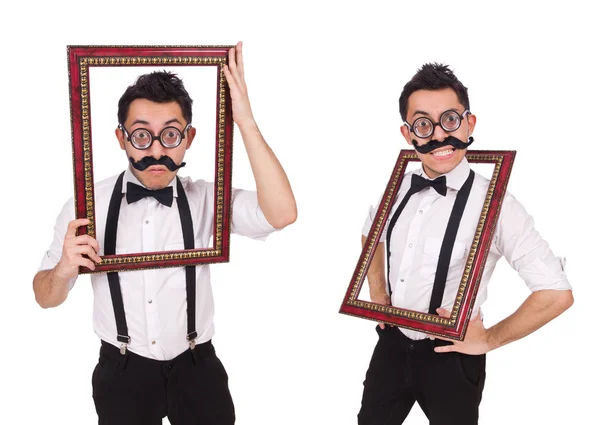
(444, 197)
(156, 357)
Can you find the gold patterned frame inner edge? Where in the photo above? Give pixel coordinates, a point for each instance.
(84, 63)
(415, 315)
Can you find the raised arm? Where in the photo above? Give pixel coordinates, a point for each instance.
(275, 195)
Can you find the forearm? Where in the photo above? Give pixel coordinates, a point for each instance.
(376, 272)
(275, 195)
(537, 310)
(50, 290)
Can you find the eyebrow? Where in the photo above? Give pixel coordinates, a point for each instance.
(417, 112)
(140, 122)
(171, 121)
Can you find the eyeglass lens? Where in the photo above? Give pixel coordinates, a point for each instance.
(449, 121)
(170, 137)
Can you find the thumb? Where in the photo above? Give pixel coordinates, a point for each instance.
(442, 312)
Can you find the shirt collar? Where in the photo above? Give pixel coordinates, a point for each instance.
(130, 177)
(456, 177)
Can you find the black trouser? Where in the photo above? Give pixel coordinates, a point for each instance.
(190, 389)
(447, 386)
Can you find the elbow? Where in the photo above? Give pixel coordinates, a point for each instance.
(43, 301)
(565, 300)
(38, 296)
(284, 219)
(45, 304)
(559, 300)
(44, 297)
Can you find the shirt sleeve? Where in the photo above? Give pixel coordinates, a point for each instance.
(247, 217)
(369, 221)
(526, 251)
(54, 253)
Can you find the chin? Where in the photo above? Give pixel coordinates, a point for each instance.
(155, 182)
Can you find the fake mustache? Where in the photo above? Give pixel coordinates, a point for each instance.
(149, 161)
(448, 141)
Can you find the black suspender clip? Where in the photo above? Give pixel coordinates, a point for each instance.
(125, 340)
(191, 337)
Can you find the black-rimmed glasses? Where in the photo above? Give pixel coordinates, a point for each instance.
(450, 121)
(142, 138)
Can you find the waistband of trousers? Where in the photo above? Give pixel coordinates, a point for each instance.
(200, 351)
(399, 337)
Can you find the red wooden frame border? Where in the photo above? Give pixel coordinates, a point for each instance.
(80, 59)
(455, 326)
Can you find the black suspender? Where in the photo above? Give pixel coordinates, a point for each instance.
(190, 271)
(110, 242)
(441, 273)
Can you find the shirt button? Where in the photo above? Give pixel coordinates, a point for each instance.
(149, 301)
(147, 222)
(411, 346)
(401, 280)
(410, 245)
(420, 211)
(153, 342)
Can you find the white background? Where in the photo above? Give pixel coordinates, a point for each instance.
(324, 81)
(107, 85)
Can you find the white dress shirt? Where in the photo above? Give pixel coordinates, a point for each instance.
(155, 300)
(417, 238)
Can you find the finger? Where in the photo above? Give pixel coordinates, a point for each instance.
(232, 64)
(445, 349)
(77, 251)
(95, 257)
(443, 313)
(382, 325)
(439, 337)
(82, 240)
(230, 80)
(85, 262)
(94, 244)
(234, 67)
(74, 225)
(70, 263)
(239, 59)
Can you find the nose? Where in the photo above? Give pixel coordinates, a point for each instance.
(439, 133)
(156, 149)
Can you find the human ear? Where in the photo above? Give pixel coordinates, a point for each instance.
(191, 133)
(406, 133)
(472, 120)
(121, 137)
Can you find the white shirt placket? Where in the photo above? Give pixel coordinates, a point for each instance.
(149, 227)
(407, 264)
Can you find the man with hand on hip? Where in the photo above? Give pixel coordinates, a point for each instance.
(446, 378)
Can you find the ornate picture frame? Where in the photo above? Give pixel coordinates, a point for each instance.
(455, 326)
(83, 59)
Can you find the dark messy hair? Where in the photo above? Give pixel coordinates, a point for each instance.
(433, 76)
(158, 86)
